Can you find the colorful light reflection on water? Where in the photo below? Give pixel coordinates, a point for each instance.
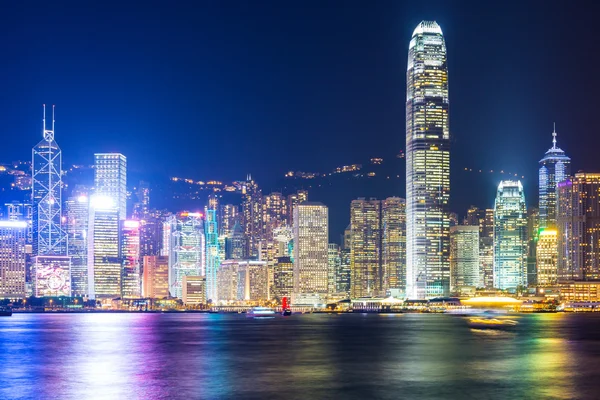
(157, 356)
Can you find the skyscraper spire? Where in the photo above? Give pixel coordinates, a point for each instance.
(554, 137)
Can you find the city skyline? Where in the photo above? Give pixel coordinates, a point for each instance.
(102, 124)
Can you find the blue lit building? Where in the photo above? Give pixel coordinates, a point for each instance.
(510, 236)
(555, 167)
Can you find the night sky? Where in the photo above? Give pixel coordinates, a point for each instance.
(217, 89)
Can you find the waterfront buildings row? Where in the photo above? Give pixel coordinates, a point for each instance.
(88, 245)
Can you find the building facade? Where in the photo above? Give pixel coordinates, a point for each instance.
(155, 281)
(110, 179)
(13, 241)
(104, 248)
(547, 258)
(194, 290)
(283, 279)
(464, 257)
(578, 227)
(77, 241)
(427, 164)
(311, 237)
(510, 236)
(186, 248)
(131, 285)
(393, 243)
(365, 249)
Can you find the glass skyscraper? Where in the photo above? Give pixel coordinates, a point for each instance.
(185, 245)
(427, 164)
(510, 236)
(49, 238)
(555, 167)
(110, 179)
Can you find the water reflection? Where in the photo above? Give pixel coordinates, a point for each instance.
(154, 356)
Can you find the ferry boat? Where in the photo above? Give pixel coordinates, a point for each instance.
(5, 312)
(261, 312)
(491, 323)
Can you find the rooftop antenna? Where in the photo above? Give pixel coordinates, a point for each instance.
(554, 137)
(53, 106)
(44, 119)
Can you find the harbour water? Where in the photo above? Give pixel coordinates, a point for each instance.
(318, 356)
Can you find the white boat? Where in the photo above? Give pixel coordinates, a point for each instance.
(261, 312)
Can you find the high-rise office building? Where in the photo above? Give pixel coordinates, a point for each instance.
(155, 282)
(344, 273)
(464, 257)
(141, 207)
(104, 252)
(243, 280)
(211, 234)
(229, 215)
(311, 237)
(533, 227)
(283, 279)
(365, 249)
(393, 221)
(13, 242)
(484, 218)
(235, 244)
(110, 179)
(547, 257)
(578, 227)
(275, 213)
(49, 237)
(292, 201)
(253, 213)
(186, 248)
(77, 240)
(555, 167)
(131, 286)
(333, 265)
(427, 164)
(510, 236)
(151, 234)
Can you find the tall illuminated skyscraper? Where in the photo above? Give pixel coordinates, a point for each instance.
(427, 164)
(110, 179)
(211, 233)
(393, 244)
(464, 257)
(49, 238)
(579, 227)
(155, 283)
(311, 238)
(484, 218)
(185, 245)
(77, 231)
(547, 255)
(131, 286)
(365, 248)
(104, 252)
(510, 236)
(253, 213)
(13, 240)
(555, 167)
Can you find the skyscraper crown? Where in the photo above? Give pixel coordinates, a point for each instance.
(427, 27)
